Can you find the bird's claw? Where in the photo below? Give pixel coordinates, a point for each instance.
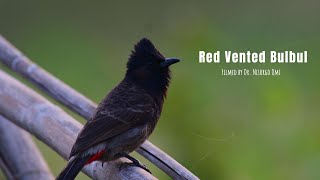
(144, 167)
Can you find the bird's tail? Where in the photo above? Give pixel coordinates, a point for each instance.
(73, 167)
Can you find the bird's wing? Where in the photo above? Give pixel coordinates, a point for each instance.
(115, 115)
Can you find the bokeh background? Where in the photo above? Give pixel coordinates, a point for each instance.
(242, 128)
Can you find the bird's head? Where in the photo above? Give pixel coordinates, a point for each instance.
(149, 68)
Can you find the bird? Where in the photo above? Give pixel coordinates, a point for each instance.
(127, 116)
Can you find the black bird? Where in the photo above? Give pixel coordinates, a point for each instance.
(126, 117)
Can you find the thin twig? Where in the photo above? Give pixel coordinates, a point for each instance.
(54, 127)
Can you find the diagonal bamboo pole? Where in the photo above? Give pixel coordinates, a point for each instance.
(53, 126)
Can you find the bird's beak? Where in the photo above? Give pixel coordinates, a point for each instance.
(169, 61)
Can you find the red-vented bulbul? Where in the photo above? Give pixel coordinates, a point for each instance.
(127, 115)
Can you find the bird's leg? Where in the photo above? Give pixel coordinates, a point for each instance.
(135, 162)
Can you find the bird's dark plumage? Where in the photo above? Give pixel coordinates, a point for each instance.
(128, 114)
(125, 107)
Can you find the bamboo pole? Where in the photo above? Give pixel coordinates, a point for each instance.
(53, 126)
(5, 169)
(20, 155)
(14, 59)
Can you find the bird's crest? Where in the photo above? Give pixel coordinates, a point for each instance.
(144, 51)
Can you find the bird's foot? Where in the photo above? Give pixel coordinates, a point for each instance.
(135, 162)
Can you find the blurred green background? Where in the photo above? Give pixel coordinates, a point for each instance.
(219, 127)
